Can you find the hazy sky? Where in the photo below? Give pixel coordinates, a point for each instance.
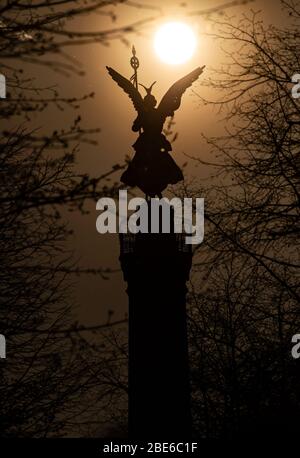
(111, 110)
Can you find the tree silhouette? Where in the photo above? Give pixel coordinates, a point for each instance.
(245, 300)
(55, 381)
(62, 378)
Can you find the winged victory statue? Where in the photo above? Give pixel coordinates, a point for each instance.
(152, 169)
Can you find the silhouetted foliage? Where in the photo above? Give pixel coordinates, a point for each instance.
(54, 380)
(62, 378)
(245, 300)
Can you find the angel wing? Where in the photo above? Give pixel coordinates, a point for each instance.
(127, 87)
(172, 99)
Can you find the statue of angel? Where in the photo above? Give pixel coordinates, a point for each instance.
(152, 169)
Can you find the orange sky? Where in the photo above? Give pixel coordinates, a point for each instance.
(111, 110)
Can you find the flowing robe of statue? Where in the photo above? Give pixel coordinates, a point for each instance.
(152, 168)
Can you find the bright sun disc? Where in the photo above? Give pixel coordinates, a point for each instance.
(175, 43)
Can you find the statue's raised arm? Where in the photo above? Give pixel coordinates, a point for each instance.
(172, 99)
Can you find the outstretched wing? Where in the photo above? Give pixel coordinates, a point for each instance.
(127, 87)
(172, 99)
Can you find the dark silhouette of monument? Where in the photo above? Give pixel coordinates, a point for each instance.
(152, 167)
(156, 268)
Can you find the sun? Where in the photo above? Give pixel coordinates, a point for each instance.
(175, 43)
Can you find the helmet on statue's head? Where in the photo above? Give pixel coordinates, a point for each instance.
(149, 99)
